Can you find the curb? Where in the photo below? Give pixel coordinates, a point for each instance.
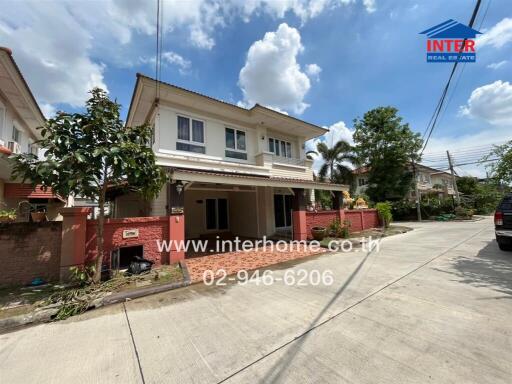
(45, 314)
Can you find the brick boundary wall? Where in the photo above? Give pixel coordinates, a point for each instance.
(150, 229)
(360, 219)
(28, 251)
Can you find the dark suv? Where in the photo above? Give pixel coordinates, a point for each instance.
(503, 223)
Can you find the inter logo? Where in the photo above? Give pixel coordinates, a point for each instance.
(451, 41)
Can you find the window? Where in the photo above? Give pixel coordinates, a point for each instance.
(362, 182)
(190, 135)
(235, 144)
(16, 134)
(280, 147)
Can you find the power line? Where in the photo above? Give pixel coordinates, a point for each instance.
(439, 106)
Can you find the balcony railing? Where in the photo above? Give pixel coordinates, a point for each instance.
(288, 160)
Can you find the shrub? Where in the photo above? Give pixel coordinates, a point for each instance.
(337, 229)
(464, 213)
(384, 210)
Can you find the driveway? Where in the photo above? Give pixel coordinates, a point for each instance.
(434, 305)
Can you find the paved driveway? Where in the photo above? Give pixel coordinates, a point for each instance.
(434, 305)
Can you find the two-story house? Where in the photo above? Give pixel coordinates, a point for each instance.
(234, 170)
(428, 180)
(19, 117)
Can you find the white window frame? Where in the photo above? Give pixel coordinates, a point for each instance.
(280, 152)
(191, 141)
(18, 130)
(235, 130)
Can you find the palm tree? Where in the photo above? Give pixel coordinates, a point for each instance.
(334, 157)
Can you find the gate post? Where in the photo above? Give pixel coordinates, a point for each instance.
(299, 215)
(176, 213)
(74, 226)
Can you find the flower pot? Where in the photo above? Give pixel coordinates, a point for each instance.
(37, 217)
(318, 233)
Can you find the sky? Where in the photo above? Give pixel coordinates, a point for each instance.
(323, 61)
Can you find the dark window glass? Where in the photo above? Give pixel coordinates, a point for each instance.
(288, 150)
(197, 131)
(236, 155)
(288, 209)
(190, 147)
(240, 140)
(278, 152)
(211, 214)
(222, 205)
(230, 138)
(279, 211)
(271, 145)
(283, 149)
(183, 128)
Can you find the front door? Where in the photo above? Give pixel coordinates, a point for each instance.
(216, 214)
(283, 211)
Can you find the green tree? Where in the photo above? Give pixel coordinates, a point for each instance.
(387, 147)
(500, 170)
(335, 161)
(86, 153)
(467, 185)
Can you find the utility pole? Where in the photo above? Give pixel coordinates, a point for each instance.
(416, 192)
(454, 181)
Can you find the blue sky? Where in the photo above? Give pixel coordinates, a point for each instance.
(325, 61)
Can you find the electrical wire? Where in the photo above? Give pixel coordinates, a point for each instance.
(439, 106)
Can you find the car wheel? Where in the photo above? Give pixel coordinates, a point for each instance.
(505, 247)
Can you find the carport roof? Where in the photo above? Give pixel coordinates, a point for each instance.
(206, 176)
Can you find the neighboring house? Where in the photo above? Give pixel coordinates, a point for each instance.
(428, 180)
(19, 117)
(234, 170)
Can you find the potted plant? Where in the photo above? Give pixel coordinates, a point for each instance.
(38, 216)
(7, 215)
(318, 233)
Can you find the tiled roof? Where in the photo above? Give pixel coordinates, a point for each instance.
(27, 191)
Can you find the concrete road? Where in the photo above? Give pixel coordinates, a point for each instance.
(433, 305)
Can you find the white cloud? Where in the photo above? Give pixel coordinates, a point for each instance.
(313, 70)
(370, 5)
(498, 35)
(53, 52)
(497, 65)
(337, 131)
(169, 58)
(48, 110)
(271, 75)
(490, 102)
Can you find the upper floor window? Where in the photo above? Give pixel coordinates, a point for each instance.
(16, 134)
(362, 182)
(235, 144)
(190, 135)
(280, 147)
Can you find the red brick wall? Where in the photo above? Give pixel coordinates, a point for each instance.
(150, 229)
(29, 250)
(359, 219)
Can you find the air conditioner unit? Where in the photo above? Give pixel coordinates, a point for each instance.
(14, 147)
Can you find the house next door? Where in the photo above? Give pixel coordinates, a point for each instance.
(283, 211)
(216, 214)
